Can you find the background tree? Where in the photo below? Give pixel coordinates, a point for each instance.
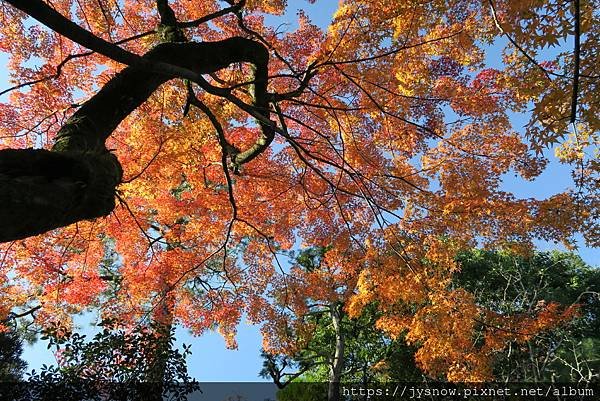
(12, 366)
(502, 282)
(226, 142)
(509, 284)
(370, 357)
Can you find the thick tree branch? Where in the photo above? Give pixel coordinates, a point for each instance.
(168, 29)
(98, 117)
(58, 23)
(249, 51)
(167, 15)
(76, 180)
(260, 109)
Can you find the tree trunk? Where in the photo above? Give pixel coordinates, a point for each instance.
(41, 190)
(162, 318)
(337, 364)
(156, 378)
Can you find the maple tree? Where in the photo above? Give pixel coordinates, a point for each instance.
(205, 142)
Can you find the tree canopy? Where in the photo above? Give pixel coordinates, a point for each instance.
(157, 159)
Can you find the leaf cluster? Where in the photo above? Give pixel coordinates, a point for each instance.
(115, 364)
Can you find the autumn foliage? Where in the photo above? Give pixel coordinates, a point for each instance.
(394, 134)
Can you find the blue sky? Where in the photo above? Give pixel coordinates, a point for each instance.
(210, 360)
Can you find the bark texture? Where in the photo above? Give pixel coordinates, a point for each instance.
(41, 190)
(337, 362)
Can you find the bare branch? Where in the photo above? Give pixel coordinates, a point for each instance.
(232, 9)
(160, 145)
(547, 73)
(389, 52)
(576, 56)
(13, 316)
